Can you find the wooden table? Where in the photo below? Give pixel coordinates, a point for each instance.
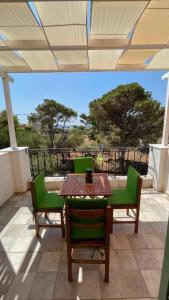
(75, 185)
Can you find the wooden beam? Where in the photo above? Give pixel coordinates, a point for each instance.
(7, 76)
(92, 45)
(73, 68)
(26, 44)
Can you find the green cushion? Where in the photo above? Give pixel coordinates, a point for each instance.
(43, 199)
(89, 232)
(129, 194)
(120, 197)
(51, 201)
(39, 188)
(132, 183)
(82, 164)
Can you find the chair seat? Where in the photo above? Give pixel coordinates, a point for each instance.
(121, 197)
(51, 201)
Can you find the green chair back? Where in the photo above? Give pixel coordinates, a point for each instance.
(132, 183)
(86, 218)
(38, 185)
(81, 164)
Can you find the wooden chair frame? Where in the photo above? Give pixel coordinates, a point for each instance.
(38, 212)
(88, 243)
(130, 206)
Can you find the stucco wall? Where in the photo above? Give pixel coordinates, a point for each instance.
(166, 176)
(7, 187)
(14, 172)
(159, 167)
(54, 183)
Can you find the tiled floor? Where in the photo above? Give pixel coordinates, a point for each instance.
(37, 269)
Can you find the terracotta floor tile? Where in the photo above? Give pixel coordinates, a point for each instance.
(43, 286)
(152, 281)
(114, 289)
(137, 241)
(126, 260)
(20, 287)
(119, 241)
(145, 259)
(6, 280)
(153, 241)
(89, 285)
(31, 262)
(63, 288)
(133, 285)
(159, 255)
(49, 262)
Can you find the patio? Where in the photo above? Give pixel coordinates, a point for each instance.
(74, 36)
(37, 269)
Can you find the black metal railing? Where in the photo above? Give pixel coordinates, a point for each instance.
(59, 161)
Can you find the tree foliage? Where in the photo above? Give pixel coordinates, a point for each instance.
(125, 116)
(4, 132)
(51, 118)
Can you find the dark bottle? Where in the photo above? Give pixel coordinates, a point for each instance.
(89, 176)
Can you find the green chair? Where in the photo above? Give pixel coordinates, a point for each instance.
(81, 164)
(45, 202)
(88, 226)
(128, 198)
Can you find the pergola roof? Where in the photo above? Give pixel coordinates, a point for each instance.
(84, 35)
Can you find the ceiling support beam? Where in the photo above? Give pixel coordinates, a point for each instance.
(101, 44)
(12, 135)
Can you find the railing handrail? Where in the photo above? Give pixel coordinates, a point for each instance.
(113, 161)
(90, 149)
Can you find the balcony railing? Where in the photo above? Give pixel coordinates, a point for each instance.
(59, 161)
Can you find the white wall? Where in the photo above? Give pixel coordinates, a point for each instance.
(54, 183)
(14, 172)
(166, 176)
(159, 167)
(7, 187)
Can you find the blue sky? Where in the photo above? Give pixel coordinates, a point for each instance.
(75, 90)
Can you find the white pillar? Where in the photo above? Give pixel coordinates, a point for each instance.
(158, 166)
(12, 135)
(166, 119)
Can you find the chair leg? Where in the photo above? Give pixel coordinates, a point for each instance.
(36, 225)
(137, 220)
(62, 223)
(46, 215)
(112, 221)
(127, 211)
(69, 259)
(107, 254)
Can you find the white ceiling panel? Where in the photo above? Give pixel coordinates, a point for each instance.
(152, 28)
(103, 59)
(62, 12)
(138, 56)
(10, 59)
(78, 57)
(16, 14)
(72, 35)
(160, 60)
(115, 17)
(23, 33)
(159, 4)
(40, 60)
